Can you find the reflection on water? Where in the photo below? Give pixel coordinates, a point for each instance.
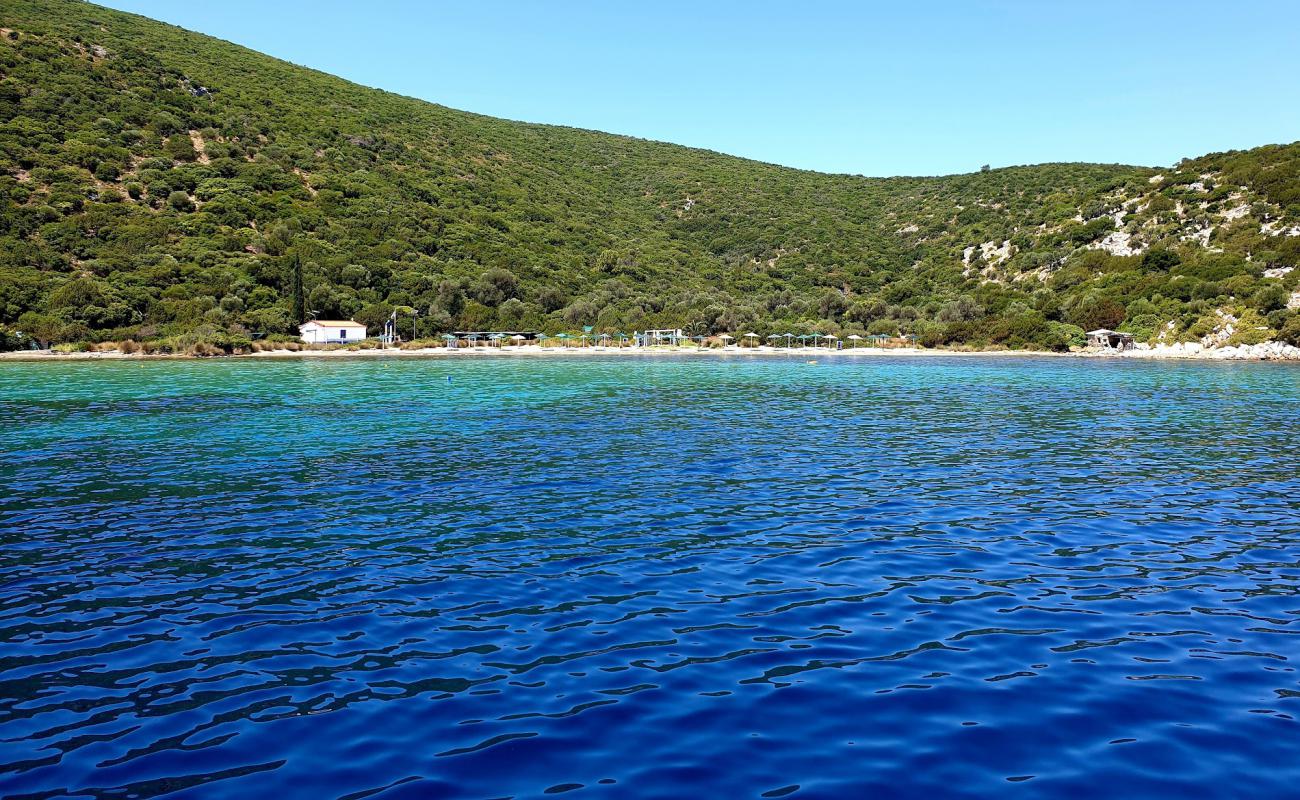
(419, 578)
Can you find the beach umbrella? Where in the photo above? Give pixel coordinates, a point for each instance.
(517, 339)
(563, 337)
(854, 338)
(750, 336)
(449, 339)
(816, 337)
(788, 338)
(830, 337)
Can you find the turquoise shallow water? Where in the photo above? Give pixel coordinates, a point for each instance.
(649, 578)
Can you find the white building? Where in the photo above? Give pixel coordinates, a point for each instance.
(332, 331)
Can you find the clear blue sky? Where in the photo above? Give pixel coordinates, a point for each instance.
(873, 88)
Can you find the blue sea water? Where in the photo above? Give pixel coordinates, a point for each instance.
(649, 578)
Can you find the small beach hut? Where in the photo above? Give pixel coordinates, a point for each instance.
(331, 331)
(1104, 337)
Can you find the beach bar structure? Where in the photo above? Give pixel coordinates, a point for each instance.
(673, 336)
(1113, 340)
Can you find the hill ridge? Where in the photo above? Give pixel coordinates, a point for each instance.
(159, 183)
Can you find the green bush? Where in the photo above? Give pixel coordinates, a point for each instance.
(323, 196)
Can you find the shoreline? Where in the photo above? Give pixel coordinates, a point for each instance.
(533, 351)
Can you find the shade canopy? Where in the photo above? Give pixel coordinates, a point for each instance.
(725, 336)
(518, 338)
(854, 337)
(829, 336)
(754, 336)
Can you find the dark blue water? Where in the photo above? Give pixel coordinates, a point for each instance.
(649, 579)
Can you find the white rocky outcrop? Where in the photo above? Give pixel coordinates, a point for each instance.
(1265, 351)
(1118, 243)
(1271, 228)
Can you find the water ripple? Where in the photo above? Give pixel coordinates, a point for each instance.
(436, 578)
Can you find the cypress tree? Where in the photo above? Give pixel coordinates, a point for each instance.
(299, 310)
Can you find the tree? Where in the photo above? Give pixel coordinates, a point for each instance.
(298, 309)
(1095, 311)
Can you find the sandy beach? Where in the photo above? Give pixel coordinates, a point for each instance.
(1269, 352)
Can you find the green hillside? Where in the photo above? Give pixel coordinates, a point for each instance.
(158, 183)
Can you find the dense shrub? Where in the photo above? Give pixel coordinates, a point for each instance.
(313, 195)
